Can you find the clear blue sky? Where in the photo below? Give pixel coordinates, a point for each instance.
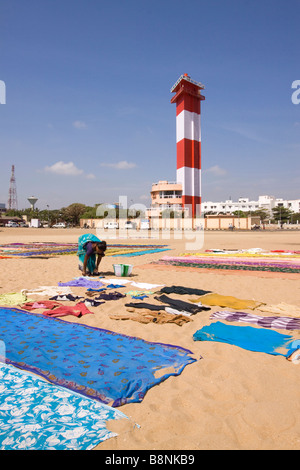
(88, 115)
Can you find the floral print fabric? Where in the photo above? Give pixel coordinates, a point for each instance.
(36, 415)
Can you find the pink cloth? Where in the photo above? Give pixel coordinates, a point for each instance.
(49, 304)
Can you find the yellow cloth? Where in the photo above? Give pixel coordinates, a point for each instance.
(14, 298)
(227, 301)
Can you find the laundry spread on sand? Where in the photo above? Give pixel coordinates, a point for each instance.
(181, 304)
(178, 305)
(82, 282)
(50, 249)
(116, 280)
(134, 293)
(284, 265)
(37, 415)
(250, 338)
(92, 303)
(227, 301)
(147, 316)
(110, 296)
(183, 290)
(145, 285)
(101, 364)
(249, 252)
(77, 310)
(42, 304)
(286, 323)
(13, 298)
(48, 291)
(55, 309)
(68, 297)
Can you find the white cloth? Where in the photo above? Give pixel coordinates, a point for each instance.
(49, 291)
(144, 285)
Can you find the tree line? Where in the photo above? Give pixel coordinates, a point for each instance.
(72, 214)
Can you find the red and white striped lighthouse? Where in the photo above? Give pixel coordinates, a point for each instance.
(188, 140)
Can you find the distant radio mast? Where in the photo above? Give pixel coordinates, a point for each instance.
(12, 194)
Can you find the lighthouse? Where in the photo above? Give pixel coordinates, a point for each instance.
(188, 141)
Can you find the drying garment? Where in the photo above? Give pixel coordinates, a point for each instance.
(77, 310)
(36, 415)
(177, 312)
(110, 296)
(227, 301)
(113, 281)
(93, 293)
(114, 286)
(183, 290)
(145, 285)
(146, 316)
(146, 305)
(82, 282)
(92, 303)
(69, 297)
(144, 252)
(286, 323)
(96, 290)
(250, 338)
(181, 304)
(48, 304)
(13, 298)
(140, 297)
(83, 241)
(48, 291)
(101, 364)
(139, 292)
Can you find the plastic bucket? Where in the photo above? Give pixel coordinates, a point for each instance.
(122, 270)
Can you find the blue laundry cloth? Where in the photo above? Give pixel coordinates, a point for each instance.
(114, 286)
(248, 337)
(101, 364)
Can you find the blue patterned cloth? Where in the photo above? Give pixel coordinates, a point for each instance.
(110, 367)
(36, 415)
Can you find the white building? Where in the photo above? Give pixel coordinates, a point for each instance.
(245, 205)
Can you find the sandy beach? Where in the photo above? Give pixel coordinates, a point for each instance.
(231, 398)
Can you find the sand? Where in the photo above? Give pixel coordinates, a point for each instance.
(231, 398)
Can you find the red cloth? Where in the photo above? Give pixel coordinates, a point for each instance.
(77, 310)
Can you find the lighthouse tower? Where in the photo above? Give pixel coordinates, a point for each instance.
(188, 140)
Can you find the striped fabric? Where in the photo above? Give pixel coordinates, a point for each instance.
(286, 323)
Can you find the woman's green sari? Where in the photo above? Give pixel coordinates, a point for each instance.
(82, 241)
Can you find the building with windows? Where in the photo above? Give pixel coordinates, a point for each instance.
(246, 205)
(167, 196)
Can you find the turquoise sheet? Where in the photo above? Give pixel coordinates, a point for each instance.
(110, 367)
(248, 337)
